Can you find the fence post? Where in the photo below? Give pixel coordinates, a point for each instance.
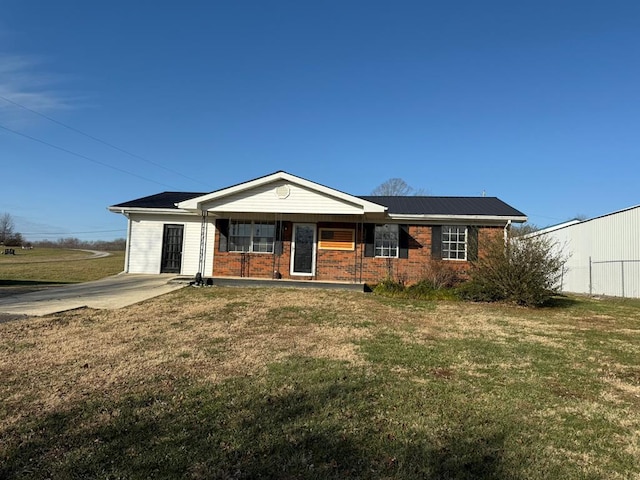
(622, 269)
(590, 284)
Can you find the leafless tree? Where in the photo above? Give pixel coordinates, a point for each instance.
(524, 229)
(6, 228)
(396, 187)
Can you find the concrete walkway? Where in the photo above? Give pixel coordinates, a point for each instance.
(108, 293)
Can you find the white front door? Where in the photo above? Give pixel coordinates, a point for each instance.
(303, 249)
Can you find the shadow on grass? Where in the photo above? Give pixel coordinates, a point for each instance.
(330, 427)
(30, 283)
(561, 301)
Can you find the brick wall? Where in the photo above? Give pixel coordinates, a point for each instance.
(409, 269)
(340, 265)
(256, 265)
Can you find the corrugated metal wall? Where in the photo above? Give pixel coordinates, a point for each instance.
(603, 254)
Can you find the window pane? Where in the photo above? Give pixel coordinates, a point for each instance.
(264, 229)
(454, 243)
(240, 229)
(386, 241)
(239, 244)
(245, 236)
(263, 237)
(239, 236)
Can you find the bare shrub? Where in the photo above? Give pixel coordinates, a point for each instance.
(439, 274)
(524, 271)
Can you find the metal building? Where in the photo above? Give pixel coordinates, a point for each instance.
(603, 253)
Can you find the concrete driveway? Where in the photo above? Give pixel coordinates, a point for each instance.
(109, 293)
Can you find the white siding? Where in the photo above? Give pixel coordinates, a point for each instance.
(263, 199)
(611, 239)
(145, 243)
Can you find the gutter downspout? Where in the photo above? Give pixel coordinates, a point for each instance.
(507, 229)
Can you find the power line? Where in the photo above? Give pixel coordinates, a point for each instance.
(73, 129)
(84, 157)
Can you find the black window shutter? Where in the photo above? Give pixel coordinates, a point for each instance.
(403, 241)
(472, 244)
(277, 248)
(369, 238)
(436, 242)
(222, 224)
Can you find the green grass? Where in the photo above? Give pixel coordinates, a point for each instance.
(284, 383)
(46, 266)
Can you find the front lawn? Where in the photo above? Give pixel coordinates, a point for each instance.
(47, 266)
(285, 383)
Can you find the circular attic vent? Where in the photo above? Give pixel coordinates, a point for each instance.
(283, 191)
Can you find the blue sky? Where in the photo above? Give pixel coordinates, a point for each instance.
(535, 102)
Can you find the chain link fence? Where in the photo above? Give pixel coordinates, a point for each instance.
(619, 278)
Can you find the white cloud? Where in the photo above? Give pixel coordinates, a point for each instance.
(22, 81)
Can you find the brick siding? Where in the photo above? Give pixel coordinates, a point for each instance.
(341, 265)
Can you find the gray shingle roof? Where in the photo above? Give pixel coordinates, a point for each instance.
(490, 206)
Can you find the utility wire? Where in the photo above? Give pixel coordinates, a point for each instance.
(122, 150)
(84, 157)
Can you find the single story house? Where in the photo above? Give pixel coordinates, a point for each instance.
(286, 227)
(602, 253)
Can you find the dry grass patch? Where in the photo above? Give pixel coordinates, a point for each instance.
(65, 357)
(40, 267)
(286, 383)
(43, 255)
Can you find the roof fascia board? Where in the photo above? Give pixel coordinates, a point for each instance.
(552, 228)
(445, 218)
(170, 211)
(197, 202)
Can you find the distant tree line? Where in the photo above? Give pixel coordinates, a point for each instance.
(111, 245)
(10, 238)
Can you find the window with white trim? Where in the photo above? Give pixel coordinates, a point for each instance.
(454, 243)
(249, 236)
(386, 240)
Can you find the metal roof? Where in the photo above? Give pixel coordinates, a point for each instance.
(491, 206)
(159, 200)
